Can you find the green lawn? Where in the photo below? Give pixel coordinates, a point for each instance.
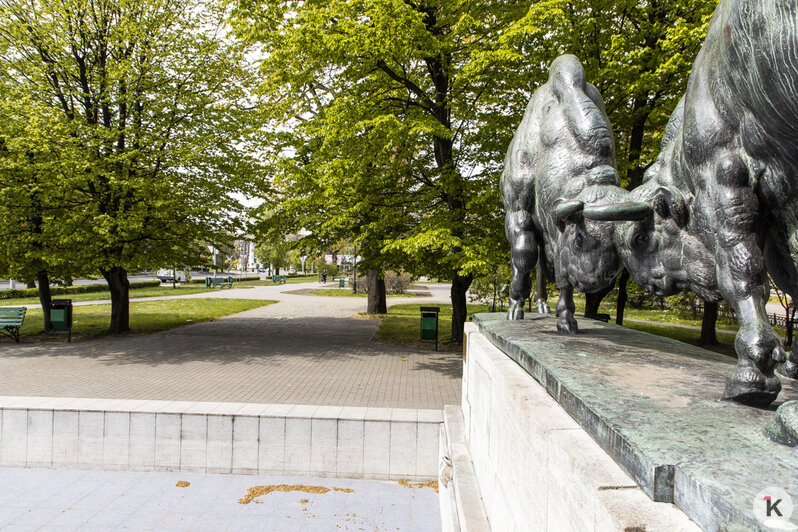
(339, 292)
(347, 292)
(268, 282)
(153, 291)
(145, 316)
(688, 336)
(402, 324)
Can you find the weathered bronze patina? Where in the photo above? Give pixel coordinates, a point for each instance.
(561, 194)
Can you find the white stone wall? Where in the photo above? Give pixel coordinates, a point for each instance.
(240, 438)
(534, 467)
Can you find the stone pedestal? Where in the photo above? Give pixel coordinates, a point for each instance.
(607, 430)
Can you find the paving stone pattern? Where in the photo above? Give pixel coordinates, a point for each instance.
(61, 500)
(302, 350)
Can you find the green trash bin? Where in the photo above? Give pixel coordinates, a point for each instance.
(61, 316)
(429, 325)
(341, 282)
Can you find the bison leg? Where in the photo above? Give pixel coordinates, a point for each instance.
(541, 294)
(742, 282)
(518, 226)
(566, 323)
(790, 368)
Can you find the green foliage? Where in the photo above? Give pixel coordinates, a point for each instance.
(124, 131)
(277, 252)
(389, 119)
(379, 127)
(493, 288)
(638, 54)
(69, 290)
(331, 269)
(397, 282)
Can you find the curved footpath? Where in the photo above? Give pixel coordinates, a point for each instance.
(302, 350)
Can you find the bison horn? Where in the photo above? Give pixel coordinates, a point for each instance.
(616, 212)
(567, 209)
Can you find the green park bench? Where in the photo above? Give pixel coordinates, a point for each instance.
(221, 282)
(11, 321)
(279, 279)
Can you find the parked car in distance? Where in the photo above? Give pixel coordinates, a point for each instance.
(171, 276)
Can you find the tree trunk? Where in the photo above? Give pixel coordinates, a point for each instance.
(623, 297)
(45, 298)
(592, 301)
(708, 336)
(119, 286)
(376, 295)
(460, 285)
(788, 324)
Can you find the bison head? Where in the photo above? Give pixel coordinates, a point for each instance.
(588, 260)
(571, 151)
(660, 251)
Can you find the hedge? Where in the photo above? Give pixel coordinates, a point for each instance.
(201, 280)
(66, 290)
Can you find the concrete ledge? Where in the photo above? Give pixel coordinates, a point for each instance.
(535, 467)
(239, 438)
(462, 508)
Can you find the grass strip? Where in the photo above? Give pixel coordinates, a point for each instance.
(155, 291)
(268, 281)
(91, 321)
(347, 292)
(402, 323)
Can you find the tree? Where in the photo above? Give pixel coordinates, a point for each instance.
(788, 304)
(139, 106)
(708, 324)
(398, 89)
(277, 252)
(29, 201)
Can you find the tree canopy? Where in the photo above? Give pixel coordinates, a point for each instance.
(135, 116)
(389, 118)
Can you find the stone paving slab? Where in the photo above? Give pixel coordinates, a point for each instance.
(302, 350)
(61, 500)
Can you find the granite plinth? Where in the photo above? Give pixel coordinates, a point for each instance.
(654, 405)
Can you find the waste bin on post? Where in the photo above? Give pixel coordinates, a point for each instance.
(61, 316)
(429, 325)
(341, 282)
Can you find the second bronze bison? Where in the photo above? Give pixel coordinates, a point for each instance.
(561, 194)
(725, 187)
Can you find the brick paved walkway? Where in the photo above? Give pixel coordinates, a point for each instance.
(302, 350)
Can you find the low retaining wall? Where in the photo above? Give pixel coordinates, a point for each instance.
(532, 465)
(239, 438)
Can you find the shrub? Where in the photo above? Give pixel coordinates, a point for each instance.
(66, 290)
(397, 283)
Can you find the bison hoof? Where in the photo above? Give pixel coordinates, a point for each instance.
(543, 308)
(789, 369)
(784, 427)
(567, 325)
(749, 386)
(515, 312)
